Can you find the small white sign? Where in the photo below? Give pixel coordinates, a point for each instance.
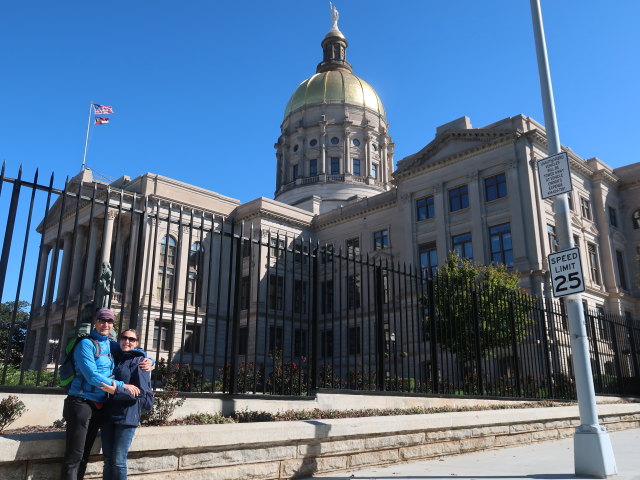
(554, 175)
(566, 272)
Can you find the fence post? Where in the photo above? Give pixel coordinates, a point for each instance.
(616, 354)
(314, 319)
(594, 339)
(379, 292)
(545, 345)
(433, 335)
(514, 347)
(8, 232)
(633, 349)
(137, 275)
(476, 335)
(235, 331)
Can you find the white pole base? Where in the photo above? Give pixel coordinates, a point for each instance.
(592, 452)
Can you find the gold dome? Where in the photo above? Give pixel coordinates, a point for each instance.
(335, 86)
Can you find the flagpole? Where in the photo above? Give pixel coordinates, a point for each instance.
(86, 140)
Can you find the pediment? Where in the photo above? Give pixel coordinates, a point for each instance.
(451, 144)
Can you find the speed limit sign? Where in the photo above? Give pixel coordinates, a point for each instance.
(566, 272)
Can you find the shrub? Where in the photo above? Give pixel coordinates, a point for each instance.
(29, 378)
(361, 379)
(286, 378)
(400, 384)
(11, 408)
(248, 377)
(164, 404)
(327, 377)
(176, 377)
(247, 416)
(206, 419)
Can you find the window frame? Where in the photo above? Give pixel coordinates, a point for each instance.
(497, 184)
(425, 208)
(459, 196)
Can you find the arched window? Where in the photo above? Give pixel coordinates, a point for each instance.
(166, 268)
(636, 220)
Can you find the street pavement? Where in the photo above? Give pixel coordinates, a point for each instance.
(540, 461)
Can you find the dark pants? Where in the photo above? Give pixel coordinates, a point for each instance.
(83, 422)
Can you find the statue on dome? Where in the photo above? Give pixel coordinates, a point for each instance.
(334, 16)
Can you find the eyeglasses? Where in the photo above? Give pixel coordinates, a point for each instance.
(105, 320)
(129, 339)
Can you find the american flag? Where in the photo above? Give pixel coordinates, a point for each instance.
(101, 120)
(102, 109)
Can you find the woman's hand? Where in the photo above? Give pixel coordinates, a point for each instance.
(132, 389)
(110, 389)
(146, 364)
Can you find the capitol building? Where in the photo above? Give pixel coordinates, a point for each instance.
(471, 189)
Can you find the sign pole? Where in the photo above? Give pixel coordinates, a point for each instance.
(593, 454)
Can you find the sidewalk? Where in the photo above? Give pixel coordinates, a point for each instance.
(541, 461)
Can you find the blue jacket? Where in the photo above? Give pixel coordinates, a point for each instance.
(91, 372)
(122, 408)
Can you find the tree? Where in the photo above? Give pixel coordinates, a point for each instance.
(13, 338)
(478, 309)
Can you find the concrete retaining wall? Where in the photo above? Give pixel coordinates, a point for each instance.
(283, 450)
(44, 409)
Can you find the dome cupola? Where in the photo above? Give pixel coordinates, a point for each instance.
(334, 146)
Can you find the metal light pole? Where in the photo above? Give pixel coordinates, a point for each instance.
(593, 454)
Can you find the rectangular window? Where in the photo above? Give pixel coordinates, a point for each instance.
(192, 339)
(380, 239)
(276, 290)
(570, 200)
(335, 165)
(300, 342)
(353, 291)
(301, 253)
(428, 258)
(553, 239)
(276, 338)
(277, 248)
(603, 324)
(296, 172)
(326, 343)
(585, 208)
(622, 277)
(354, 340)
(461, 244)
(353, 247)
(425, 208)
(191, 288)
(243, 340)
(326, 254)
(326, 297)
(613, 217)
(593, 263)
(458, 198)
(246, 247)
(166, 278)
(356, 167)
(374, 170)
(501, 247)
(299, 296)
(162, 334)
(244, 293)
(313, 167)
(495, 187)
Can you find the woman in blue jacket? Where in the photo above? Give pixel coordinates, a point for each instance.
(84, 406)
(123, 410)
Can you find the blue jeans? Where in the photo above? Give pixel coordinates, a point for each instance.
(116, 440)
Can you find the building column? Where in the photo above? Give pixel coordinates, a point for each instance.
(92, 248)
(442, 241)
(348, 168)
(521, 245)
(66, 265)
(107, 235)
(78, 266)
(607, 258)
(367, 157)
(477, 216)
(322, 168)
(42, 276)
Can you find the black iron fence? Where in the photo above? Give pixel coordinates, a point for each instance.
(230, 307)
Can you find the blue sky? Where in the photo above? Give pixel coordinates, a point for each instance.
(199, 87)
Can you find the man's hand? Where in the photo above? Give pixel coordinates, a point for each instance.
(110, 389)
(146, 364)
(132, 389)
